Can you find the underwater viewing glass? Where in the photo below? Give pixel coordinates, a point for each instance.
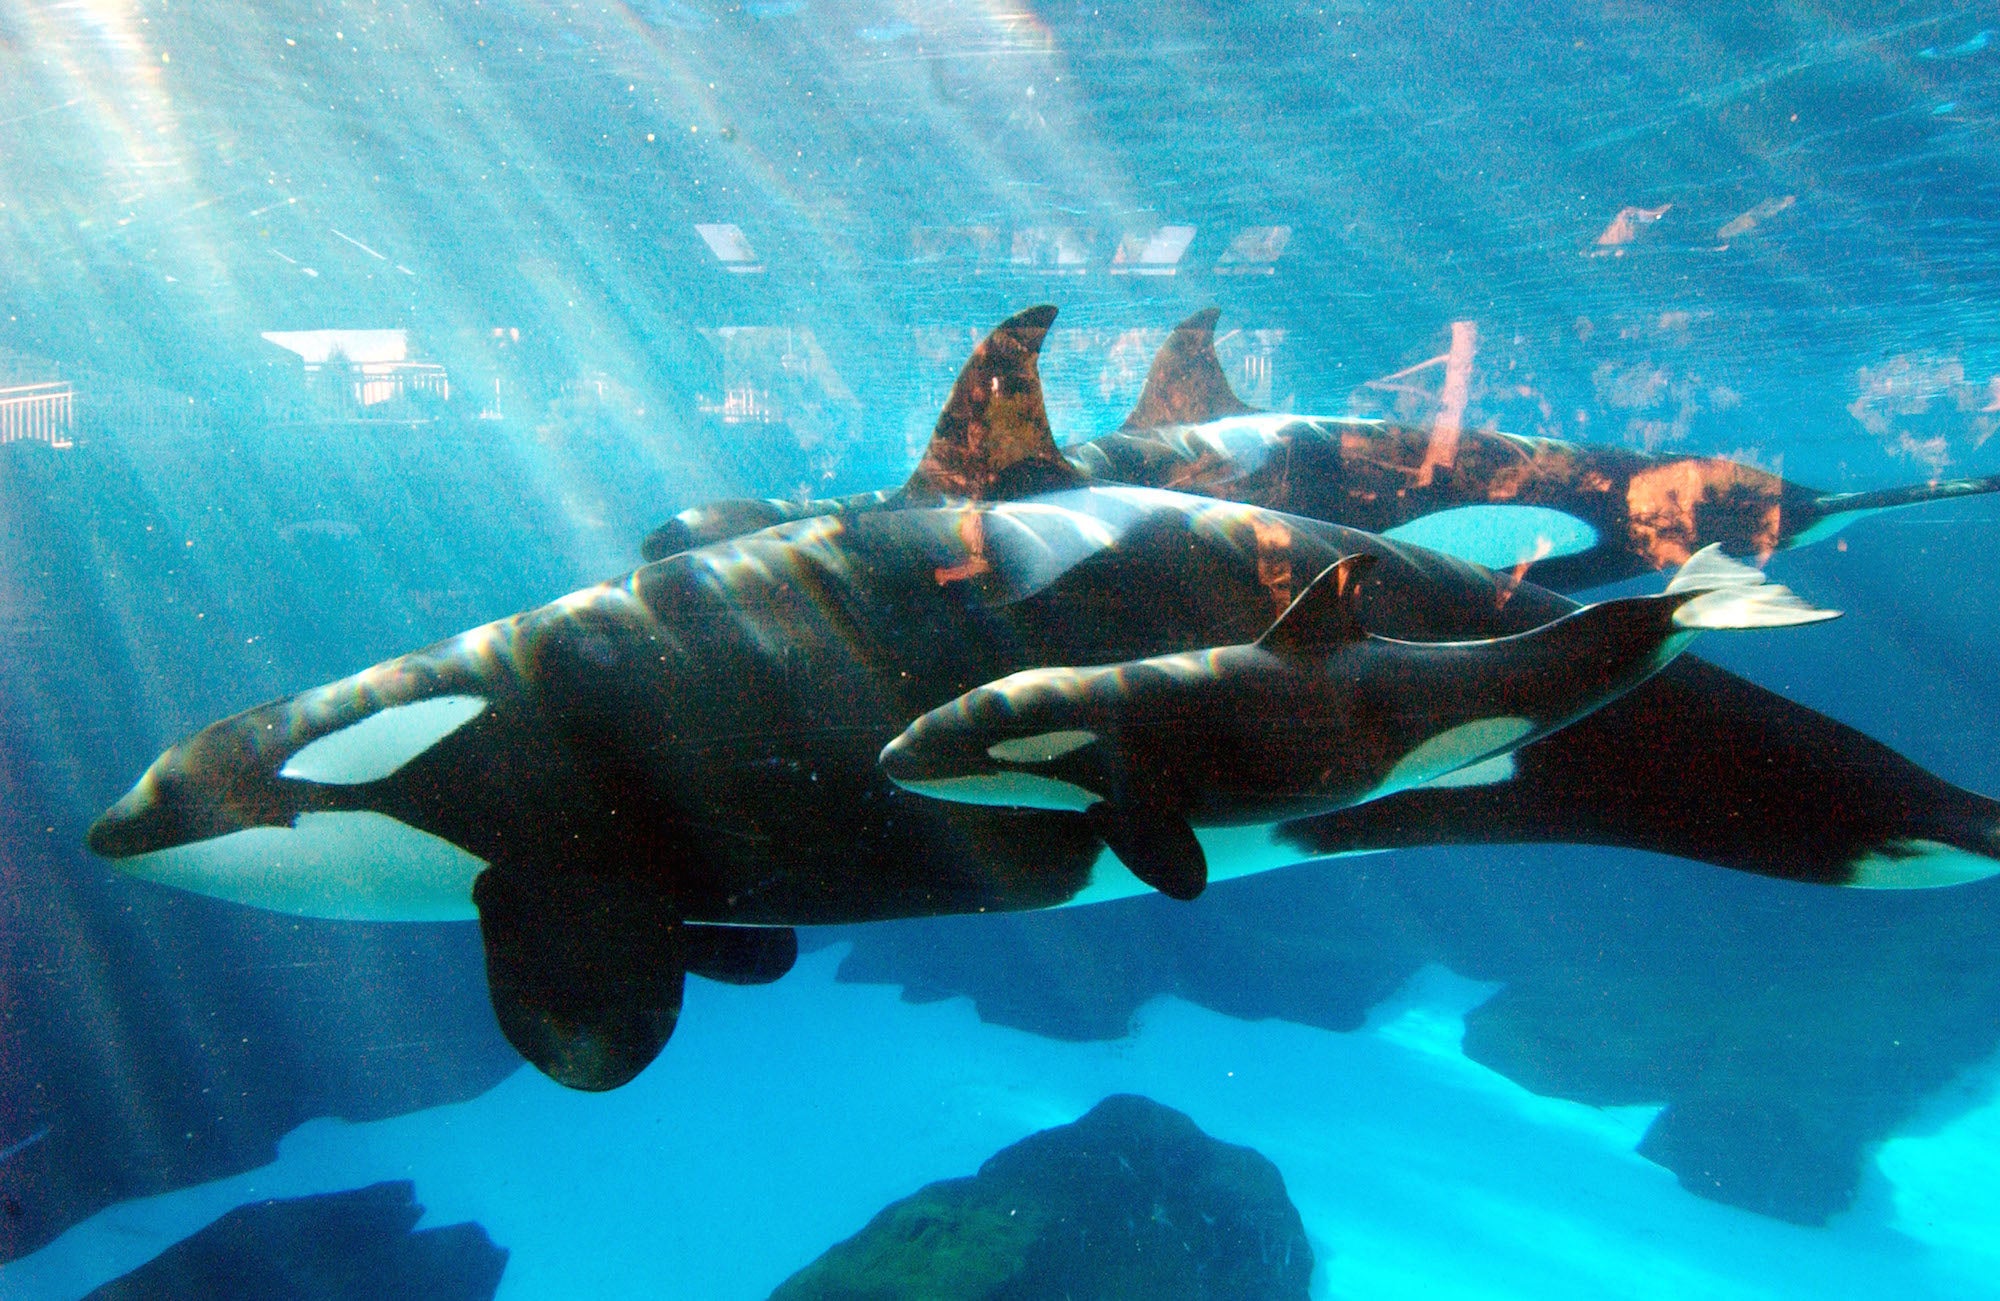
(856, 649)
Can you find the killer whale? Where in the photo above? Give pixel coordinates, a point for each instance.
(663, 774)
(1317, 714)
(1569, 515)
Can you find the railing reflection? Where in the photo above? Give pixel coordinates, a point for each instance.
(44, 412)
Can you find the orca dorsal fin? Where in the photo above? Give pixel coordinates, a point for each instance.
(992, 440)
(1323, 617)
(1186, 385)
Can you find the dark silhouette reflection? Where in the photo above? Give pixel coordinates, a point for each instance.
(352, 1246)
(1785, 1032)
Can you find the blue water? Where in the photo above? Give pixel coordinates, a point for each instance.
(663, 253)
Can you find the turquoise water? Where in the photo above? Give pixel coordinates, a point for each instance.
(335, 330)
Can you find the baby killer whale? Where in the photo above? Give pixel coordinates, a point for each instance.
(1570, 515)
(663, 774)
(1316, 715)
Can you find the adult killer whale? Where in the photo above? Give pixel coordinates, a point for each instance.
(1316, 715)
(1569, 515)
(664, 773)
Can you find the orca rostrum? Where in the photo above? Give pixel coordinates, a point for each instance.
(667, 772)
(1569, 515)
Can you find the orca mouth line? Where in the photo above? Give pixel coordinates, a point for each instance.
(113, 837)
(144, 821)
(168, 809)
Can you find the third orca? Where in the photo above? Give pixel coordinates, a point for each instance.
(1317, 714)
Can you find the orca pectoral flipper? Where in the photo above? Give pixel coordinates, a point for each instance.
(585, 972)
(1159, 848)
(739, 955)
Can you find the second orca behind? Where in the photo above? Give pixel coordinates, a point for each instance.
(1317, 714)
(1569, 515)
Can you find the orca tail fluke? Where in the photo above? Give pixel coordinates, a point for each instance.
(1828, 514)
(1725, 594)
